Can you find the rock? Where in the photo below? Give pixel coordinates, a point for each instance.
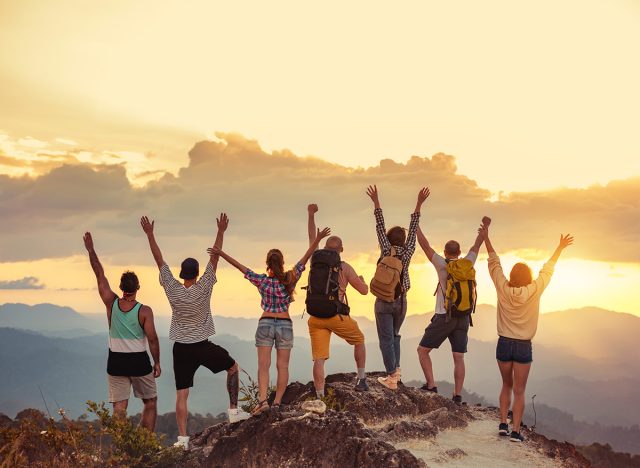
(403, 430)
(5, 421)
(314, 406)
(445, 419)
(451, 454)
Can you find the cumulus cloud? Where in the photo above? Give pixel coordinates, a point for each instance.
(28, 282)
(266, 195)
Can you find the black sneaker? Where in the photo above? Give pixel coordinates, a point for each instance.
(516, 437)
(457, 399)
(361, 385)
(503, 429)
(427, 389)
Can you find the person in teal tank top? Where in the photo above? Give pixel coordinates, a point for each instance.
(131, 331)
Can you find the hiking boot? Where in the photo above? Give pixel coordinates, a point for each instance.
(237, 414)
(457, 399)
(503, 429)
(426, 388)
(183, 441)
(361, 385)
(516, 437)
(390, 381)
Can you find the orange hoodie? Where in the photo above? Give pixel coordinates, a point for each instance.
(518, 308)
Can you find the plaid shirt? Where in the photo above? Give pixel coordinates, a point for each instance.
(275, 297)
(404, 252)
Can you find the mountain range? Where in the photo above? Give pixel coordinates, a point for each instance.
(579, 361)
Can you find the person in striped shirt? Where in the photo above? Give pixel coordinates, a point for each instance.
(191, 327)
(390, 315)
(276, 288)
(131, 328)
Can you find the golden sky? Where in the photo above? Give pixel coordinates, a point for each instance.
(102, 103)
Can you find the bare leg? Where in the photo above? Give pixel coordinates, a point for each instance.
(181, 410)
(233, 385)
(149, 413)
(506, 370)
(427, 366)
(520, 376)
(264, 363)
(120, 408)
(282, 363)
(318, 374)
(359, 354)
(458, 372)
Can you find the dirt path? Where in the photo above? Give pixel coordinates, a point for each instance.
(482, 446)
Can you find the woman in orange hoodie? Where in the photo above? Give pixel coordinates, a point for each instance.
(518, 311)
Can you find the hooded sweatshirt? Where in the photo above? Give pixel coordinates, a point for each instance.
(518, 308)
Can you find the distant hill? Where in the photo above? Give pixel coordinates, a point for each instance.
(49, 319)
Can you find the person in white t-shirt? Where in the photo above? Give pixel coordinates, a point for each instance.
(442, 326)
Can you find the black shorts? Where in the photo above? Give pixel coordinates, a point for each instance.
(456, 329)
(188, 357)
(510, 349)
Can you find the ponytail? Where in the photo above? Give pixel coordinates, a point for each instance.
(275, 262)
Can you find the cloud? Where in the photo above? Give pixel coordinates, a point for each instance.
(28, 282)
(266, 195)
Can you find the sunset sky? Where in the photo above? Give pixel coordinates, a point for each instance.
(525, 112)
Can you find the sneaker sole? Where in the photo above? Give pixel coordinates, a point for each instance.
(503, 433)
(514, 440)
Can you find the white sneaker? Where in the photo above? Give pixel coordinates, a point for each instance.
(237, 414)
(183, 441)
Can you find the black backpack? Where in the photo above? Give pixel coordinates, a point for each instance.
(323, 289)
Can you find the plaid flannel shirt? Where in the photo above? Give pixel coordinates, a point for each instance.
(275, 297)
(404, 252)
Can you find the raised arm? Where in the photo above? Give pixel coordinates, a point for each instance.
(223, 224)
(494, 265)
(410, 243)
(215, 250)
(385, 245)
(424, 243)
(106, 294)
(565, 241)
(312, 209)
(146, 319)
(486, 221)
(147, 227)
(314, 245)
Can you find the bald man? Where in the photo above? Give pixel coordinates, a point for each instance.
(320, 329)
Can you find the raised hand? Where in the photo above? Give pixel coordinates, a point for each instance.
(147, 226)
(372, 192)
(483, 231)
(565, 241)
(223, 222)
(88, 241)
(215, 250)
(486, 221)
(423, 194)
(322, 234)
(312, 208)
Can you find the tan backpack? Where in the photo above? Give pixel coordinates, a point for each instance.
(387, 278)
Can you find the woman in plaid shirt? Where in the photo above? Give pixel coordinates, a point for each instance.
(276, 288)
(390, 315)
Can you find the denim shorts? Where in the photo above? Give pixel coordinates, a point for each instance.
(456, 329)
(510, 349)
(275, 331)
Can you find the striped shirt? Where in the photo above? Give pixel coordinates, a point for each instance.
(404, 252)
(191, 320)
(275, 297)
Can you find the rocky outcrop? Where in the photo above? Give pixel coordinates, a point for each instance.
(357, 429)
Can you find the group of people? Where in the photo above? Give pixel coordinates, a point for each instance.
(132, 330)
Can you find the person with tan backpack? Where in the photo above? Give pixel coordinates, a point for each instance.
(391, 283)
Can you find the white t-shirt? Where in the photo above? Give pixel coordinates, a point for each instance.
(440, 264)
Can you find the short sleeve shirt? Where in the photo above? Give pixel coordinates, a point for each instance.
(440, 264)
(191, 319)
(275, 297)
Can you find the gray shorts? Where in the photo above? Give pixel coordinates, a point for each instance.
(275, 331)
(455, 329)
(143, 387)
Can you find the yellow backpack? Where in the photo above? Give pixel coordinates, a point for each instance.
(460, 296)
(386, 280)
